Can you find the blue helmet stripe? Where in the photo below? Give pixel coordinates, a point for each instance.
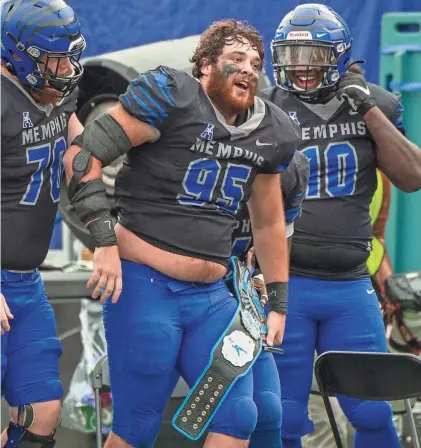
(43, 14)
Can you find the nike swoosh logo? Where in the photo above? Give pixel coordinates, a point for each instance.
(370, 291)
(365, 90)
(320, 34)
(353, 112)
(258, 143)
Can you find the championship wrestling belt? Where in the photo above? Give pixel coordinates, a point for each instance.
(232, 357)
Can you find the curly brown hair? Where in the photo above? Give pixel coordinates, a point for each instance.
(221, 33)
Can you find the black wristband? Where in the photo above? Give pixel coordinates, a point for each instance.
(102, 231)
(278, 297)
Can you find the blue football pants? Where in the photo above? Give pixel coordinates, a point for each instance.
(30, 351)
(323, 316)
(161, 327)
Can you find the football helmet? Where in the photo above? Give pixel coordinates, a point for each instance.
(311, 37)
(37, 35)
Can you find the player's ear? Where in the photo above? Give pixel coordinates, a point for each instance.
(205, 67)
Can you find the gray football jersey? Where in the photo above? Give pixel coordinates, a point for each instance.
(182, 192)
(333, 237)
(33, 141)
(294, 182)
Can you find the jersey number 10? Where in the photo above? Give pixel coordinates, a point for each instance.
(340, 170)
(42, 156)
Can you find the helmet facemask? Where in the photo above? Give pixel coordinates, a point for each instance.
(307, 68)
(49, 77)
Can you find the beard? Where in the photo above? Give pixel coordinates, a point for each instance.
(221, 90)
(46, 96)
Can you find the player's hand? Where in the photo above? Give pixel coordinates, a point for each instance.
(251, 259)
(261, 289)
(276, 327)
(353, 88)
(106, 274)
(5, 315)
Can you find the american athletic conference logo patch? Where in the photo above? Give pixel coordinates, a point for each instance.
(207, 134)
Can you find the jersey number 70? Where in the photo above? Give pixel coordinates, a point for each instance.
(42, 156)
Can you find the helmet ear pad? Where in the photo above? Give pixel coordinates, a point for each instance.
(283, 76)
(343, 60)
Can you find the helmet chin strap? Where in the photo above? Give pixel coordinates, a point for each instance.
(59, 84)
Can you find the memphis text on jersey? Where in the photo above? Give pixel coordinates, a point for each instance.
(46, 131)
(331, 130)
(221, 151)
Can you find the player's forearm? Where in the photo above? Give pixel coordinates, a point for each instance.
(268, 227)
(272, 252)
(89, 199)
(383, 273)
(91, 205)
(397, 157)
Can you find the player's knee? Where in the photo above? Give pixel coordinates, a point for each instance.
(40, 421)
(40, 418)
(142, 429)
(371, 415)
(269, 411)
(29, 439)
(295, 420)
(47, 417)
(242, 419)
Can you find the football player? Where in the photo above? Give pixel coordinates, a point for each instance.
(349, 128)
(198, 148)
(266, 388)
(265, 381)
(41, 43)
